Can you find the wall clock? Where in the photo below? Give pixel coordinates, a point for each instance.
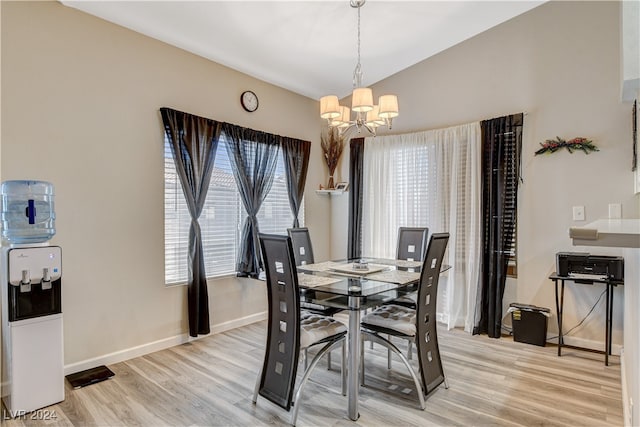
(249, 101)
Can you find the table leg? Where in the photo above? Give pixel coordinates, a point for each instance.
(560, 311)
(555, 282)
(354, 363)
(609, 321)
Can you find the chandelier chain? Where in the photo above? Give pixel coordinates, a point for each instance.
(358, 35)
(357, 72)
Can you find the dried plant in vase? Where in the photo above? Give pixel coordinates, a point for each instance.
(332, 146)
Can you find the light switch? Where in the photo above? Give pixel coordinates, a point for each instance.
(578, 213)
(615, 211)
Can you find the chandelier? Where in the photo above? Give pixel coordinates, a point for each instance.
(367, 114)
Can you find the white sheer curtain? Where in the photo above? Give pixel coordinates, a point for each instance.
(429, 179)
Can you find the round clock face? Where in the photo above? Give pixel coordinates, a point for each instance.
(249, 101)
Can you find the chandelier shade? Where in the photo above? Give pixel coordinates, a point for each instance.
(388, 106)
(367, 114)
(329, 107)
(343, 120)
(362, 100)
(373, 117)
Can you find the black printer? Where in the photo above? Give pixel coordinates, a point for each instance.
(580, 265)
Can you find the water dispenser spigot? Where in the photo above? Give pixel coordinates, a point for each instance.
(25, 283)
(46, 279)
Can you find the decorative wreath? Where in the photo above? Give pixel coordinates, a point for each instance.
(578, 143)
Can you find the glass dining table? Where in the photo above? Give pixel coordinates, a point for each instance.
(355, 285)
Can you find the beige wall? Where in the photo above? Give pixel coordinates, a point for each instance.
(560, 64)
(80, 100)
(77, 91)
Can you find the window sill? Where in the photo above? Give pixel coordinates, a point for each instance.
(209, 279)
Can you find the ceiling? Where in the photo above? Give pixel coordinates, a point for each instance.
(309, 47)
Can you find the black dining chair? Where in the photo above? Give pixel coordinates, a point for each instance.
(412, 243)
(303, 254)
(302, 248)
(417, 325)
(290, 331)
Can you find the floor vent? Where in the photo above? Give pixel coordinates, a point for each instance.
(90, 376)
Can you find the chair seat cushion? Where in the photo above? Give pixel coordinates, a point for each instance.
(315, 328)
(392, 317)
(408, 300)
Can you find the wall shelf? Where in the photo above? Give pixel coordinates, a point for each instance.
(329, 192)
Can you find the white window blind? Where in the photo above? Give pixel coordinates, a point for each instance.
(511, 192)
(399, 191)
(221, 219)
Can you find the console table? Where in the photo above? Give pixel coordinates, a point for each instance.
(609, 309)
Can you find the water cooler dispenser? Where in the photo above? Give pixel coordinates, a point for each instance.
(32, 340)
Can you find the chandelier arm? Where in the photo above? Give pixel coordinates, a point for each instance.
(371, 129)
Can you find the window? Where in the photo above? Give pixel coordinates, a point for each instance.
(428, 179)
(221, 219)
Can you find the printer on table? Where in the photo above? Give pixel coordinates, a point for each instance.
(584, 267)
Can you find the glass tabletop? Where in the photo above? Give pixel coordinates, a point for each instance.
(347, 285)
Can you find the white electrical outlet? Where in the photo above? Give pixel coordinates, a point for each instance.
(578, 213)
(615, 211)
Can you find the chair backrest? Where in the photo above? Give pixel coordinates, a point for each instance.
(426, 335)
(301, 242)
(283, 336)
(412, 243)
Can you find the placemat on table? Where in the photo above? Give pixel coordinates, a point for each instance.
(318, 266)
(399, 263)
(311, 281)
(349, 269)
(395, 276)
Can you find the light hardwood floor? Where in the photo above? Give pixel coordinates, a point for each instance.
(209, 382)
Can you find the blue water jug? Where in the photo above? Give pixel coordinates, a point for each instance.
(27, 212)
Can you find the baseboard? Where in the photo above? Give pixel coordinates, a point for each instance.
(141, 350)
(584, 343)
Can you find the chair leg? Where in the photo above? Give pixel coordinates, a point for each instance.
(388, 353)
(298, 395)
(362, 359)
(446, 383)
(370, 342)
(390, 346)
(257, 387)
(329, 361)
(343, 368)
(306, 357)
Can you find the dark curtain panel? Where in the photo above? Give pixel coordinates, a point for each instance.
(194, 141)
(296, 162)
(253, 156)
(501, 147)
(356, 156)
